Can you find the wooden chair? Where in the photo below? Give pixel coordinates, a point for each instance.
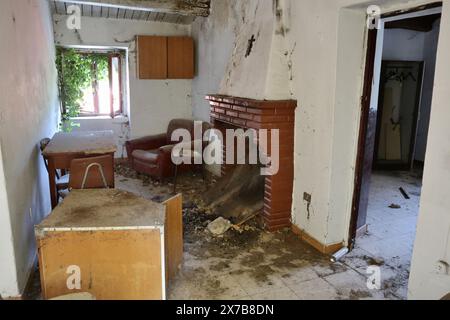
(92, 173)
(62, 181)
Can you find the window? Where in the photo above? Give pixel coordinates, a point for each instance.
(104, 95)
(101, 91)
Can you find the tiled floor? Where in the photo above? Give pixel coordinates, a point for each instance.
(392, 231)
(254, 271)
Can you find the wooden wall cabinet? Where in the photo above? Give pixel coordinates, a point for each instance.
(165, 57)
(180, 58)
(152, 57)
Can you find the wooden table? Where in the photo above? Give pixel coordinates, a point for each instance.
(124, 246)
(64, 147)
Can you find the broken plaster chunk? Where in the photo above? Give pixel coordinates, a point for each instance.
(219, 226)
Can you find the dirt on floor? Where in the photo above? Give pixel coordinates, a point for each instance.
(247, 252)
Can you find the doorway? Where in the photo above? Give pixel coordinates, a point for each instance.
(397, 96)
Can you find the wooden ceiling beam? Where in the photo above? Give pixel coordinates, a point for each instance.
(182, 7)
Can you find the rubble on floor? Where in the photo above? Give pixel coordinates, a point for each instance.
(248, 263)
(219, 226)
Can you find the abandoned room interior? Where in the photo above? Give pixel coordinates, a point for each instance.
(224, 150)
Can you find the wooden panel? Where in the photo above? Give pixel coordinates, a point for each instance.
(181, 58)
(115, 265)
(174, 236)
(325, 249)
(152, 57)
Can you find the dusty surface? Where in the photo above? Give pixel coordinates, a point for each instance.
(100, 142)
(249, 263)
(112, 208)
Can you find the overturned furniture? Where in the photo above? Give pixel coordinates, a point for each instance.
(111, 244)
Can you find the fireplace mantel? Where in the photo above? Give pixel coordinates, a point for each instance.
(253, 114)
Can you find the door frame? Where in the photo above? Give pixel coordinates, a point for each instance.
(364, 121)
(364, 118)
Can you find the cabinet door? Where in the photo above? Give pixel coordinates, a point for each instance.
(152, 57)
(181, 58)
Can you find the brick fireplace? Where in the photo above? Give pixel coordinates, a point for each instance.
(232, 112)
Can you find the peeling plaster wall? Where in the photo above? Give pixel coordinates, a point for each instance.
(153, 103)
(214, 39)
(225, 63)
(28, 113)
(241, 52)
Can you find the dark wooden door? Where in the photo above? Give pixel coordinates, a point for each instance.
(366, 144)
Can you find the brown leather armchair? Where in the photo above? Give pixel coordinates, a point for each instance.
(152, 155)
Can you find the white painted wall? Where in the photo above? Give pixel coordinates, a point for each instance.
(153, 103)
(28, 113)
(8, 279)
(433, 232)
(120, 126)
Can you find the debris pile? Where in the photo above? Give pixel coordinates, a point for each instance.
(219, 226)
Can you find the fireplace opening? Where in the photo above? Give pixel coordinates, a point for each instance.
(239, 195)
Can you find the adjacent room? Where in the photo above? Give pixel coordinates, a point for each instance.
(224, 150)
(397, 138)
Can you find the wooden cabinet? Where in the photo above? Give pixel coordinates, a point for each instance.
(165, 57)
(152, 57)
(113, 244)
(180, 58)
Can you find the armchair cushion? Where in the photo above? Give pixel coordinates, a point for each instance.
(146, 156)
